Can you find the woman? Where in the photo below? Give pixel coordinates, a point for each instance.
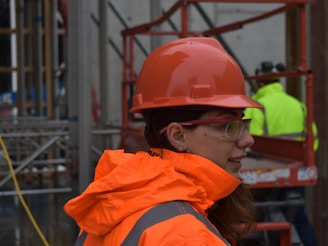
(186, 189)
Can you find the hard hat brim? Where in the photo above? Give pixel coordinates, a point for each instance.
(220, 101)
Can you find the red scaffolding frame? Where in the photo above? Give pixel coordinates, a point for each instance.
(284, 162)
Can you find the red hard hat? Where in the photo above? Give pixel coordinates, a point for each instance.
(190, 71)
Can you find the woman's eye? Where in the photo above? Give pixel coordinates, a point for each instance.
(220, 127)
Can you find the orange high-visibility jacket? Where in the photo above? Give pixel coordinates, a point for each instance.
(127, 185)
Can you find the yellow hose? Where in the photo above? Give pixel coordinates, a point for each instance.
(21, 198)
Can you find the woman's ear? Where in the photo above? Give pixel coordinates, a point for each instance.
(176, 136)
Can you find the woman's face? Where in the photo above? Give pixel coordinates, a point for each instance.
(210, 141)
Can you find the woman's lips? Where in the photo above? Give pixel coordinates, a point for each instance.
(235, 163)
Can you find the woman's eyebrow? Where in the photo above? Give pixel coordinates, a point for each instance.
(230, 112)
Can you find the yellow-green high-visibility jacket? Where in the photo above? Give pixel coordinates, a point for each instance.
(282, 115)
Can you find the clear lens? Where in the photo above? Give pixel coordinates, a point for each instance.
(235, 129)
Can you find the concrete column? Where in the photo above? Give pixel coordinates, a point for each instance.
(103, 63)
(79, 89)
(319, 66)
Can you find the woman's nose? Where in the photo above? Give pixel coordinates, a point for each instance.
(246, 140)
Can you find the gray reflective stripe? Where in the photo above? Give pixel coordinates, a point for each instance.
(161, 213)
(157, 214)
(304, 116)
(265, 124)
(80, 240)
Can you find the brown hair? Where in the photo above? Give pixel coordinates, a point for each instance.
(234, 215)
(156, 119)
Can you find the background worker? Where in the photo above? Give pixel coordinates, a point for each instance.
(284, 116)
(185, 190)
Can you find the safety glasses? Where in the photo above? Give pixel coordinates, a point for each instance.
(233, 129)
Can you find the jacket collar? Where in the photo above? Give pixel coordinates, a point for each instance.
(217, 182)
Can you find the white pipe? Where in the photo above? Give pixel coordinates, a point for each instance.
(13, 47)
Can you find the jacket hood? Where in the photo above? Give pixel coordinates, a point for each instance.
(126, 183)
